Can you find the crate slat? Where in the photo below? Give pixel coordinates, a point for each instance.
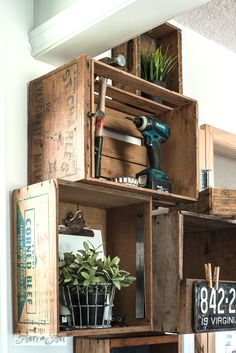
(138, 83)
(134, 100)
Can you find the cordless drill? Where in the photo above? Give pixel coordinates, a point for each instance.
(154, 132)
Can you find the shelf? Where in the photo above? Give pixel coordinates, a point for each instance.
(107, 332)
(37, 209)
(157, 344)
(183, 242)
(61, 138)
(159, 198)
(166, 36)
(97, 195)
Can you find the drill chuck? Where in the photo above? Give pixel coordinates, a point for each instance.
(149, 126)
(141, 123)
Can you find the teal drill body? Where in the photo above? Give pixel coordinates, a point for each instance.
(154, 132)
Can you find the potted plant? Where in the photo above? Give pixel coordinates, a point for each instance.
(88, 285)
(156, 67)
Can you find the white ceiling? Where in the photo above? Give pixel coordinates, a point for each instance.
(215, 20)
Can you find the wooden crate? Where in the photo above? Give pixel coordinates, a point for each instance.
(182, 243)
(165, 36)
(61, 135)
(36, 211)
(148, 344)
(215, 201)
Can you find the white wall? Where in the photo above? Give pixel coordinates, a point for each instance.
(224, 171)
(17, 67)
(45, 9)
(209, 75)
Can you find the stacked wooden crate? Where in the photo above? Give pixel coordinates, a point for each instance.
(61, 135)
(166, 36)
(61, 145)
(61, 149)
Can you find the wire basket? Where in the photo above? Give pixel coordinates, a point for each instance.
(90, 306)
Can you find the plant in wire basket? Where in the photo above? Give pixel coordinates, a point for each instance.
(88, 281)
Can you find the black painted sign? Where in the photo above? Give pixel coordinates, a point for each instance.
(214, 310)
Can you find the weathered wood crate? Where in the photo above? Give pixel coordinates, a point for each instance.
(165, 35)
(154, 344)
(215, 201)
(182, 243)
(36, 212)
(61, 133)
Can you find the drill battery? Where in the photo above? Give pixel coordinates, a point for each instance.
(154, 179)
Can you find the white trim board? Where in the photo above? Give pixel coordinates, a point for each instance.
(93, 27)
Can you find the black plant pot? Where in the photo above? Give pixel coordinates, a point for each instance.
(153, 98)
(92, 310)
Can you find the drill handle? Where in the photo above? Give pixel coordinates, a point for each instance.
(154, 155)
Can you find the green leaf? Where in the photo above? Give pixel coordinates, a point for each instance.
(86, 283)
(85, 275)
(86, 246)
(61, 264)
(86, 268)
(156, 64)
(96, 280)
(102, 279)
(92, 246)
(79, 257)
(74, 265)
(117, 285)
(115, 261)
(67, 280)
(82, 252)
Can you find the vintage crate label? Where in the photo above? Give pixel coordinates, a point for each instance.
(33, 261)
(53, 125)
